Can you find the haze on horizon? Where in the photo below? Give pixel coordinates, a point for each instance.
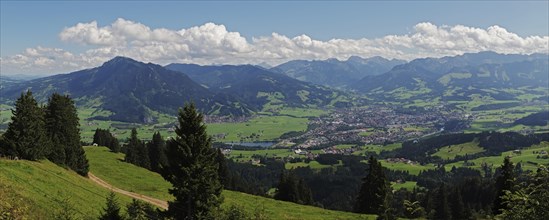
(38, 38)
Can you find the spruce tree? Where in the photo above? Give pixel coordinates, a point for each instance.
(112, 209)
(457, 206)
(26, 134)
(442, 208)
(132, 148)
(504, 182)
(63, 129)
(105, 138)
(157, 152)
(223, 170)
(291, 188)
(192, 169)
(373, 197)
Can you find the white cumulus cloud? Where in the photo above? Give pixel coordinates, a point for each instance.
(212, 43)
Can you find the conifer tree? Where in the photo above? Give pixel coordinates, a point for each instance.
(442, 208)
(131, 148)
(504, 182)
(103, 137)
(192, 169)
(112, 209)
(157, 152)
(63, 129)
(293, 189)
(26, 134)
(373, 197)
(223, 170)
(138, 210)
(457, 206)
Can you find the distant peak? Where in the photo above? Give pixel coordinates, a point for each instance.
(120, 59)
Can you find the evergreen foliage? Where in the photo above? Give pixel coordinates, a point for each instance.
(442, 207)
(26, 136)
(104, 137)
(112, 209)
(157, 152)
(138, 210)
(373, 197)
(137, 152)
(531, 199)
(504, 182)
(223, 170)
(192, 169)
(291, 188)
(63, 129)
(457, 206)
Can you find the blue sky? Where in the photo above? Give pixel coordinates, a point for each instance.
(30, 24)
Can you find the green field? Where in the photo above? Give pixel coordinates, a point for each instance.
(409, 185)
(450, 152)
(411, 168)
(527, 157)
(261, 128)
(246, 155)
(106, 165)
(42, 186)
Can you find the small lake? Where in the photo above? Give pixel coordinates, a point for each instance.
(262, 144)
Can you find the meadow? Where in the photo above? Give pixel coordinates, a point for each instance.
(527, 157)
(450, 152)
(107, 165)
(47, 189)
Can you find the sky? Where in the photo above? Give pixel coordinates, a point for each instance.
(49, 37)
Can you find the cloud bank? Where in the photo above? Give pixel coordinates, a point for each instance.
(214, 44)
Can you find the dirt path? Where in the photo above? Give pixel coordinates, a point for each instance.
(157, 202)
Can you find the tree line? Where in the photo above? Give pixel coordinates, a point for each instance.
(51, 131)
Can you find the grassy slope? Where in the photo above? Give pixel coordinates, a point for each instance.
(461, 149)
(107, 165)
(527, 155)
(43, 185)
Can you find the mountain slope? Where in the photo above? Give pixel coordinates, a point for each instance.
(459, 77)
(256, 86)
(109, 167)
(335, 73)
(131, 89)
(43, 186)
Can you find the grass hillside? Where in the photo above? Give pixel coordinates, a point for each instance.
(530, 158)
(41, 189)
(110, 167)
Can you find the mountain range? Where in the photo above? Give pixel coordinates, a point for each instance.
(459, 77)
(256, 86)
(336, 73)
(132, 91)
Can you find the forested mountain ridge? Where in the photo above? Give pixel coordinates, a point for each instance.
(336, 73)
(459, 77)
(257, 86)
(130, 90)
